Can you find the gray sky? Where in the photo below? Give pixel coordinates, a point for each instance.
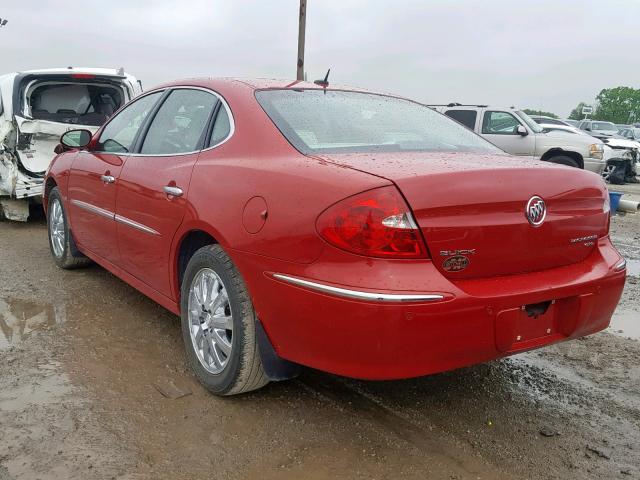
(548, 54)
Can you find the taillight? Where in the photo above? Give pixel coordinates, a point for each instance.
(375, 223)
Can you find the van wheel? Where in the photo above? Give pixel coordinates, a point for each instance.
(219, 324)
(564, 160)
(63, 247)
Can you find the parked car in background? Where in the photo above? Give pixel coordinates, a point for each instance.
(549, 123)
(360, 234)
(598, 127)
(544, 120)
(38, 106)
(631, 133)
(516, 133)
(573, 123)
(622, 126)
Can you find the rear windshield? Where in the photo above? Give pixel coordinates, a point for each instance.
(75, 103)
(317, 121)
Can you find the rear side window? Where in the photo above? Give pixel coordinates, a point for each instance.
(179, 124)
(120, 132)
(221, 128)
(499, 123)
(465, 117)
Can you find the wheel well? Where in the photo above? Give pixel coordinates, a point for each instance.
(194, 240)
(49, 186)
(558, 151)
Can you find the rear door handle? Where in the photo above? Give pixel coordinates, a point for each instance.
(108, 178)
(173, 191)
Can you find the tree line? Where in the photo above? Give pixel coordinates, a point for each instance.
(618, 105)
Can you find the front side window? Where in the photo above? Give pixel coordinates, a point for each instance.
(465, 117)
(119, 134)
(331, 121)
(499, 123)
(179, 124)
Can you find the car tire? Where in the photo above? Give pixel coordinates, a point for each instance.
(61, 243)
(564, 160)
(608, 171)
(219, 324)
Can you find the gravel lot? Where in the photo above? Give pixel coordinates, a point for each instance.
(85, 360)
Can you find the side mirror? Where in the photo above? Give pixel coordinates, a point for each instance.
(588, 129)
(76, 138)
(520, 130)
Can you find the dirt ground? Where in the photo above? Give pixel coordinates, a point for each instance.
(84, 359)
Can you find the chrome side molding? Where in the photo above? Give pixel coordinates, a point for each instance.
(113, 216)
(357, 294)
(93, 209)
(136, 225)
(620, 266)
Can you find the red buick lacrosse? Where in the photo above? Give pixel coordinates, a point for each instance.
(366, 235)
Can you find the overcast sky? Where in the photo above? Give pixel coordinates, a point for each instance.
(547, 54)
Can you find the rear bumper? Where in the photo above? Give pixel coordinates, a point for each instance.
(474, 321)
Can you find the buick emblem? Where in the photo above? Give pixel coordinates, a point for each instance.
(536, 211)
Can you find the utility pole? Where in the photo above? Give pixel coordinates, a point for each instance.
(302, 21)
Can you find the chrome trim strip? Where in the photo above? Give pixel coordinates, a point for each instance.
(93, 209)
(621, 265)
(136, 225)
(344, 292)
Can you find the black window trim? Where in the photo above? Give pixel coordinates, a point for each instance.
(484, 118)
(140, 137)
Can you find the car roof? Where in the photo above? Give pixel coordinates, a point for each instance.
(256, 84)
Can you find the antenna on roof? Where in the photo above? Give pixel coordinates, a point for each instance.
(120, 71)
(325, 82)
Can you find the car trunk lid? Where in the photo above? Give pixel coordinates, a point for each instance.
(472, 209)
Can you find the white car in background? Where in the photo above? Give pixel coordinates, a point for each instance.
(36, 108)
(516, 133)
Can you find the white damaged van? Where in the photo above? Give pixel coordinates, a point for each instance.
(36, 108)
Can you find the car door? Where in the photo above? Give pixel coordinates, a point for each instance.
(94, 175)
(501, 129)
(154, 184)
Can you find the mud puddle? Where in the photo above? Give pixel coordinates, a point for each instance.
(626, 323)
(19, 318)
(633, 267)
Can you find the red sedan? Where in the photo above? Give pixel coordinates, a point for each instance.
(361, 234)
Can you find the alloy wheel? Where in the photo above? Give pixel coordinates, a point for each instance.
(56, 228)
(210, 320)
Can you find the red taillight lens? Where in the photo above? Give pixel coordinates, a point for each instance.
(376, 223)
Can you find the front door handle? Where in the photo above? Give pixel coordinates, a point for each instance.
(173, 191)
(108, 178)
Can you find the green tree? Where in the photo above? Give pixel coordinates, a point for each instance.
(618, 105)
(530, 111)
(576, 113)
